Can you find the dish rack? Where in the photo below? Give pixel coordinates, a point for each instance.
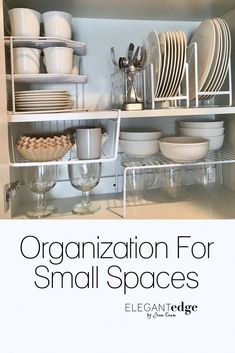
(79, 49)
(192, 51)
(145, 85)
(161, 163)
(109, 121)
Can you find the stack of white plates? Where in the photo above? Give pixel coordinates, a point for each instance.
(42, 100)
(213, 40)
(211, 130)
(167, 52)
(139, 143)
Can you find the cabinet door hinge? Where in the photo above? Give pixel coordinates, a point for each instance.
(9, 192)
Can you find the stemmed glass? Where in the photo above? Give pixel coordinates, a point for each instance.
(40, 179)
(84, 177)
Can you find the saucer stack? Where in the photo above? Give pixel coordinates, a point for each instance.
(42, 100)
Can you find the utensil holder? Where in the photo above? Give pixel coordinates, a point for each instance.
(127, 89)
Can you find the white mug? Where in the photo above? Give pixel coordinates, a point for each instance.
(26, 60)
(58, 60)
(89, 142)
(57, 24)
(24, 22)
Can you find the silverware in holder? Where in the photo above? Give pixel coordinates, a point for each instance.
(127, 89)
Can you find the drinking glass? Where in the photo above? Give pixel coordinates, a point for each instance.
(85, 177)
(175, 178)
(40, 179)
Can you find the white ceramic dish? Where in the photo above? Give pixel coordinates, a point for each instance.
(170, 62)
(40, 91)
(216, 62)
(164, 63)
(137, 149)
(227, 52)
(205, 37)
(185, 131)
(181, 54)
(183, 148)
(216, 142)
(140, 135)
(152, 46)
(205, 124)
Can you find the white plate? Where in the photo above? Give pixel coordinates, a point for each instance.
(43, 104)
(182, 41)
(67, 107)
(205, 37)
(152, 46)
(216, 62)
(223, 63)
(165, 62)
(38, 99)
(41, 91)
(169, 73)
(227, 53)
(177, 58)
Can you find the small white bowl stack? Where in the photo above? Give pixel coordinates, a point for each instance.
(211, 130)
(139, 143)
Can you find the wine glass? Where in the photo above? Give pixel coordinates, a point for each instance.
(84, 177)
(40, 179)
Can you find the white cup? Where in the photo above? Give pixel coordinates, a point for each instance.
(76, 65)
(26, 60)
(24, 22)
(58, 60)
(57, 24)
(89, 142)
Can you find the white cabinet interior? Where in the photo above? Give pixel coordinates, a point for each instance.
(99, 33)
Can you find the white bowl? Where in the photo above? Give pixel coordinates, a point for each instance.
(139, 135)
(204, 124)
(216, 142)
(139, 148)
(184, 148)
(185, 131)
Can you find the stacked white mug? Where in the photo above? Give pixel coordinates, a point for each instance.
(24, 22)
(57, 24)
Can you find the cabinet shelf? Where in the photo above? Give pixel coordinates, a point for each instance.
(62, 116)
(157, 113)
(48, 78)
(79, 48)
(174, 112)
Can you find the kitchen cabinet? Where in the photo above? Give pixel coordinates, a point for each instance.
(101, 25)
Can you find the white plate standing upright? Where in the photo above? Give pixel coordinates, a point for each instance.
(165, 62)
(227, 53)
(182, 44)
(152, 46)
(216, 62)
(205, 37)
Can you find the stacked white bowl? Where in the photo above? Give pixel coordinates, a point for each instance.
(211, 130)
(139, 143)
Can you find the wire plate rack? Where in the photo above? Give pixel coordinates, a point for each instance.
(217, 157)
